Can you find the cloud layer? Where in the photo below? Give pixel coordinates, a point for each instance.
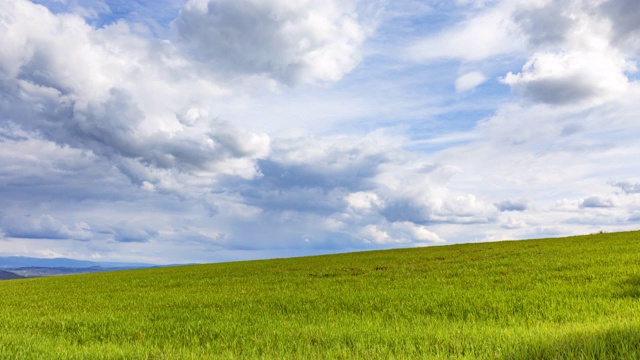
(214, 130)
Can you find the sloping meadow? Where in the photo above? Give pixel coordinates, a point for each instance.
(576, 297)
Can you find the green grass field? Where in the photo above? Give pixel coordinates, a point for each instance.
(570, 298)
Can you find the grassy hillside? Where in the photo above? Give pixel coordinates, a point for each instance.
(575, 297)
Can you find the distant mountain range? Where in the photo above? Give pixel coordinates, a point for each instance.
(6, 275)
(15, 267)
(12, 262)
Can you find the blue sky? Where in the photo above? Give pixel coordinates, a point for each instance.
(215, 130)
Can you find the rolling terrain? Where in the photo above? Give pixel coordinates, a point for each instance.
(576, 297)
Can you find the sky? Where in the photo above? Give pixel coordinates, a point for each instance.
(173, 131)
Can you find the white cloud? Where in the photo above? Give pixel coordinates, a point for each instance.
(364, 200)
(570, 78)
(291, 41)
(372, 233)
(578, 56)
(513, 222)
(418, 232)
(490, 33)
(399, 233)
(419, 192)
(469, 81)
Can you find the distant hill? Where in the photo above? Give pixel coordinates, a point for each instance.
(6, 275)
(14, 262)
(22, 267)
(53, 271)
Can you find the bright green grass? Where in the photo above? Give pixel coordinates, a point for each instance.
(571, 298)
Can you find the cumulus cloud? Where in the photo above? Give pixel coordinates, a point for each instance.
(371, 178)
(579, 55)
(93, 93)
(418, 232)
(440, 206)
(417, 191)
(373, 233)
(578, 52)
(315, 174)
(367, 186)
(569, 78)
(293, 42)
(398, 233)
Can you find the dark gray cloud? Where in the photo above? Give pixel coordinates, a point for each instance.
(513, 205)
(596, 202)
(544, 26)
(624, 16)
(557, 91)
(629, 187)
